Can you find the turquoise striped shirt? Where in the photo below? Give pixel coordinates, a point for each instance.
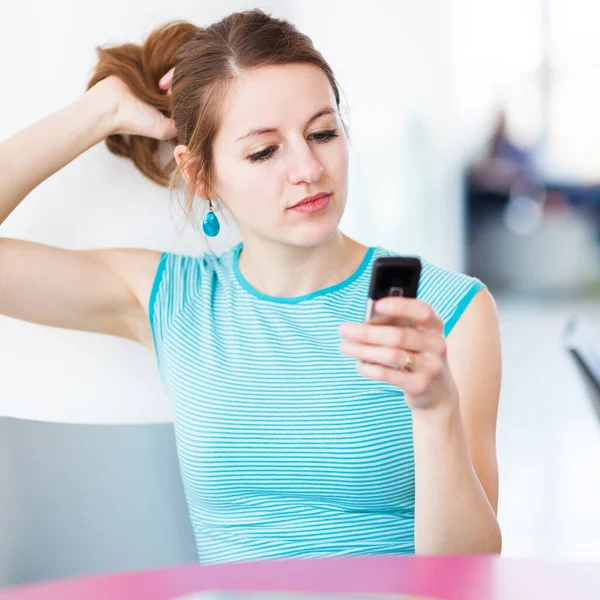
(285, 449)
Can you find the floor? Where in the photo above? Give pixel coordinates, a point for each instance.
(548, 434)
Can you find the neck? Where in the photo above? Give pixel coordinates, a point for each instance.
(284, 271)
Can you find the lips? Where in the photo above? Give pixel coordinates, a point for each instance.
(311, 199)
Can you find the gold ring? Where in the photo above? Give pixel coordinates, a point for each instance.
(409, 361)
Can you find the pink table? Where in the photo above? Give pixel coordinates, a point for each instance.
(447, 577)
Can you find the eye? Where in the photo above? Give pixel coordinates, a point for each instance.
(320, 137)
(324, 136)
(262, 155)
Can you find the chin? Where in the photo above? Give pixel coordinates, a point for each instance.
(309, 235)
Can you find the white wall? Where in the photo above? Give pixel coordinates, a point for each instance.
(394, 63)
(393, 60)
(99, 200)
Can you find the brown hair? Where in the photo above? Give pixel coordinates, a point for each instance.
(206, 61)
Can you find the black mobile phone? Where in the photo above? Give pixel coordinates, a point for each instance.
(392, 276)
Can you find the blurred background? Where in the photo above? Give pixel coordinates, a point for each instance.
(474, 129)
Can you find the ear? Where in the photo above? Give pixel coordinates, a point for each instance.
(179, 155)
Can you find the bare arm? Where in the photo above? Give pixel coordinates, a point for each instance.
(455, 454)
(105, 291)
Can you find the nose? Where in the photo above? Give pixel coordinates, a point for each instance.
(303, 165)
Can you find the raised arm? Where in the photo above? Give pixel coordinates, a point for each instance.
(105, 291)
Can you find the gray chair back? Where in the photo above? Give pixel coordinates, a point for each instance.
(87, 499)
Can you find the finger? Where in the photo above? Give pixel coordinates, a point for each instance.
(168, 130)
(167, 79)
(382, 355)
(413, 384)
(388, 335)
(418, 311)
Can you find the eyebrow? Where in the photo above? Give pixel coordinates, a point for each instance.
(260, 130)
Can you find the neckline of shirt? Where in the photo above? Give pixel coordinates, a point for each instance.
(297, 299)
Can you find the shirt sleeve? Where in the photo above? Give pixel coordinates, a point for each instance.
(448, 292)
(176, 281)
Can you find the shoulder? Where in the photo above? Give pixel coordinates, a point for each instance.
(448, 292)
(172, 264)
(180, 277)
(186, 270)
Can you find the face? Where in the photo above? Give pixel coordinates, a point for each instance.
(261, 174)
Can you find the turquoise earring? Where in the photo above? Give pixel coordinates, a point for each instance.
(210, 223)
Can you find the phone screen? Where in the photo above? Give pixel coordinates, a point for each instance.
(392, 276)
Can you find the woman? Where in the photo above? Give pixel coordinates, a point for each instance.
(296, 434)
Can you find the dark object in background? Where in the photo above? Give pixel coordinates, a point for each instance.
(513, 213)
(582, 341)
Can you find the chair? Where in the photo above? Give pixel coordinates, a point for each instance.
(83, 499)
(581, 340)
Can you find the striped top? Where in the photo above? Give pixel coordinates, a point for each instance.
(285, 449)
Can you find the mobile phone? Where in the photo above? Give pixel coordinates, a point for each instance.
(392, 276)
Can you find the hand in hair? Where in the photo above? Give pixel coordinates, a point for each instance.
(132, 115)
